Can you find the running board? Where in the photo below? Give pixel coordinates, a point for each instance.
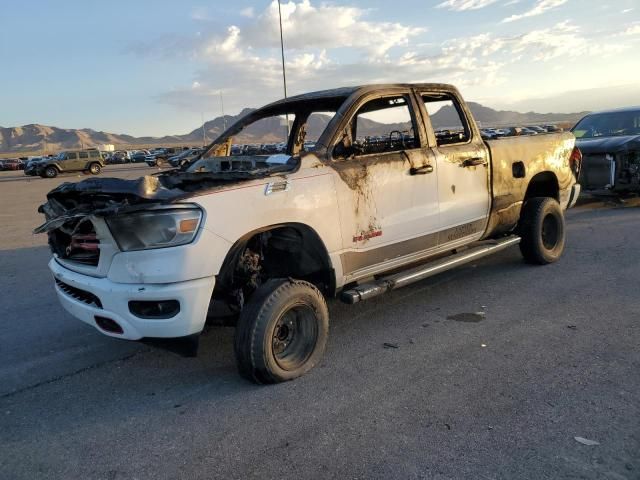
(397, 280)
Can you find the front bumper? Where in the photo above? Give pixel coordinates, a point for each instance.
(194, 297)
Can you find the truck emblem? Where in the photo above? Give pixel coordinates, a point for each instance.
(367, 235)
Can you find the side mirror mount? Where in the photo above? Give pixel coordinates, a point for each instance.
(344, 147)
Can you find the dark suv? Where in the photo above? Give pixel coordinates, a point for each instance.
(72, 161)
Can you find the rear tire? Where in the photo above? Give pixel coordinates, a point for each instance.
(543, 232)
(51, 172)
(95, 168)
(282, 331)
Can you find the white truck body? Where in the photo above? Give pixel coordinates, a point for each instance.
(369, 213)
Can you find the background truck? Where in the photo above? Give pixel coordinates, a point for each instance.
(383, 198)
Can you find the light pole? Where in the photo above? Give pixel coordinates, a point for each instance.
(224, 120)
(284, 73)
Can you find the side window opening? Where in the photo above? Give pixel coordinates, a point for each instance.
(84, 154)
(266, 136)
(385, 125)
(448, 122)
(381, 125)
(314, 127)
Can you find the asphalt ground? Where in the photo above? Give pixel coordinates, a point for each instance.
(408, 387)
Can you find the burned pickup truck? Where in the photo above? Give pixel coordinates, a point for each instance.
(610, 145)
(366, 199)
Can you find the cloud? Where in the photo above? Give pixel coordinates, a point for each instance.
(462, 5)
(247, 12)
(539, 8)
(325, 26)
(329, 45)
(563, 39)
(200, 14)
(633, 29)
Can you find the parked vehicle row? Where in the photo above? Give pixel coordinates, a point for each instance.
(492, 133)
(12, 164)
(160, 156)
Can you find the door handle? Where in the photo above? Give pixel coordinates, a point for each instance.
(423, 170)
(473, 162)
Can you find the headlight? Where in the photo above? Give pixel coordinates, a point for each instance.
(155, 228)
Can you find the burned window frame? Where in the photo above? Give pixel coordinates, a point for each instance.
(300, 107)
(445, 96)
(346, 118)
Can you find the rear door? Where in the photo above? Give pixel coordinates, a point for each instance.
(83, 160)
(463, 167)
(386, 183)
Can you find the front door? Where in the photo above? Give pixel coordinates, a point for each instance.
(386, 183)
(463, 169)
(71, 161)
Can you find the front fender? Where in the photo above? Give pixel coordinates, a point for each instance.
(200, 259)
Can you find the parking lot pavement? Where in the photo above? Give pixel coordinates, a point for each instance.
(554, 356)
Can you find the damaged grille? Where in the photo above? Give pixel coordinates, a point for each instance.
(83, 296)
(76, 242)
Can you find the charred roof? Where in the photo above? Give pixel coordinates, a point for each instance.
(344, 92)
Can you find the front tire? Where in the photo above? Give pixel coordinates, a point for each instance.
(282, 331)
(51, 172)
(543, 231)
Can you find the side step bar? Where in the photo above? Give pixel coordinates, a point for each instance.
(397, 280)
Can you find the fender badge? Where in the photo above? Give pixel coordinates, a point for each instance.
(367, 235)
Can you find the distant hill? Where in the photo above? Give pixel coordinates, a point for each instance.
(488, 117)
(34, 137)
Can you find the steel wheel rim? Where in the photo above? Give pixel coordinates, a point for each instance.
(550, 232)
(294, 337)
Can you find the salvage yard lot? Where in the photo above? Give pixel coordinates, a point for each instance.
(403, 391)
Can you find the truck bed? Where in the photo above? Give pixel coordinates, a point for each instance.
(515, 161)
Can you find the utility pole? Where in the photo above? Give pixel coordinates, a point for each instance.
(284, 74)
(224, 120)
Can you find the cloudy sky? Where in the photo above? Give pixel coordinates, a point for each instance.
(157, 67)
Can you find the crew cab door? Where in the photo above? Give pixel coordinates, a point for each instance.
(386, 182)
(463, 167)
(83, 160)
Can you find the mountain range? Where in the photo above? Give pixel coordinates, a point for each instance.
(48, 139)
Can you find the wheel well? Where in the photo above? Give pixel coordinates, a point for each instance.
(543, 184)
(54, 166)
(278, 251)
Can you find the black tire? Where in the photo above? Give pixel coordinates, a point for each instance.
(282, 331)
(51, 172)
(95, 169)
(542, 229)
